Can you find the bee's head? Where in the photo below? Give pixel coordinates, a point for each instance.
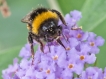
(51, 29)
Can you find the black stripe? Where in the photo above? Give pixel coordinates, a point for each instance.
(37, 11)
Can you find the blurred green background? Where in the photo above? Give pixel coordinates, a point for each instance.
(13, 33)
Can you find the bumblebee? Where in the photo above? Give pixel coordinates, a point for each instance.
(42, 24)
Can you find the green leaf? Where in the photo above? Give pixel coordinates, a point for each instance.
(94, 13)
(69, 5)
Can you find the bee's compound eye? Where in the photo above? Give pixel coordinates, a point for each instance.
(44, 28)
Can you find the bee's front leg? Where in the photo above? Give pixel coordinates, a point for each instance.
(30, 40)
(41, 45)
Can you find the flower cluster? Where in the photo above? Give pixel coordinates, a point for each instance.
(57, 62)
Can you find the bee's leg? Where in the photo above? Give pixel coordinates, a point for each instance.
(47, 42)
(58, 38)
(40, 42)
(59, 41)
(30, 40)
(60, 16)
(41, 46)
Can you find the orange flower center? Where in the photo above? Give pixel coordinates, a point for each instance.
(68, 48)
(48, 71)
(70, 66)
(79, 36)
(92, 43)
(55, 57)
(82, 57)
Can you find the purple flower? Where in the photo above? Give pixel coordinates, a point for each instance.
(69, 21)
(71, 66)
(91, 73)
(84, 56)
(11, 70)
(79, 34)
(25, 51)
(58, 55)
(76, 15)
(24, 64)
(94, 41)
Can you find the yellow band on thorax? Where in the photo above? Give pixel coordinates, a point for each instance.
(40, 19)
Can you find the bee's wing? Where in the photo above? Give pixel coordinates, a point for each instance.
(27, 18)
